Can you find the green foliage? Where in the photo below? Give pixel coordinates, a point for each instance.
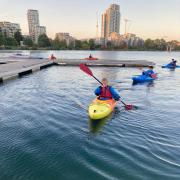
(71, 45)
(85, 45)
(2, 40)
(46, 43)
(11, 41)
(157, 44)
(43, 41)
(18, 36)
(78, 44)
(28, 42)
(91, 44)
(109, 45)
(57, 44)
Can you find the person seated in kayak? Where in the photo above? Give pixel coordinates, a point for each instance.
(149, 72)
(52, 57)
(90, 56)
(173, 63)
(105, 92)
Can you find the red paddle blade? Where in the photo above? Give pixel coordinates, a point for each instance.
(129, 107)
(154, 76)
(85, 68)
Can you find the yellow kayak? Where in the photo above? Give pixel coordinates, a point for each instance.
(100, 109)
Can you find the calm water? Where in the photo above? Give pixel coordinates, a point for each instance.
(45, 132)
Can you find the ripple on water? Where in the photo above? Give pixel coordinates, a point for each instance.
(45, 132)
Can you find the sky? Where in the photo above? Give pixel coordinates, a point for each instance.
(149, 18)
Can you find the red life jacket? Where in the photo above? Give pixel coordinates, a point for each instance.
(105, 92)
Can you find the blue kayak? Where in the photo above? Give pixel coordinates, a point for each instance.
(142, 79)
(170, 66)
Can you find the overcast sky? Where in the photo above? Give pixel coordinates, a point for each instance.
(149, 18)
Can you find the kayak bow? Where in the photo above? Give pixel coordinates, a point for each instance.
(143, 79)
(170, 67)
(99, 109)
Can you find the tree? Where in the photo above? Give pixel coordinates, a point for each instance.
(11, 41)
(18, 36)
(157, 44)
(78, 44)
(109, 45)
(28, 42)
(71, 45)
(2, 39)
(160, 44)
(92, 44)
(43, 41)
(85, 45)
(149, 44)
(57, 44)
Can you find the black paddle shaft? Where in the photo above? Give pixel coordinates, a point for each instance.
(97, 80)
(102, 84)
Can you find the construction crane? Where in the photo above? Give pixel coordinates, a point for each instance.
(126, 22)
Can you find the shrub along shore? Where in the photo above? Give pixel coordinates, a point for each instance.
(45, 43)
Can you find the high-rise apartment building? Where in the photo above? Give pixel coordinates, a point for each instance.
(33, 20)
(110, 21)
(35, 30)
(9, 29)
(65, 37)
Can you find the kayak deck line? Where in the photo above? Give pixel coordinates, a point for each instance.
(105, 63)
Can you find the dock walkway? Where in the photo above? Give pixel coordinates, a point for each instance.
(14, 68)
(106, 63)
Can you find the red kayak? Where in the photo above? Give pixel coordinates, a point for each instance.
(91, 59)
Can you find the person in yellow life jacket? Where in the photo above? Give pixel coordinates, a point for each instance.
(105, 92)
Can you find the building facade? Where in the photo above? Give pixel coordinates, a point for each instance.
(129, 40)
(38, 30)
(65, 37)
(9, 29)
(110, 21)
(33, 20)
(35, 30)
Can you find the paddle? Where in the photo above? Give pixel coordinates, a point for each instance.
(86, 69)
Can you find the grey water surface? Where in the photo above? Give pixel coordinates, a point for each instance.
(45, 132)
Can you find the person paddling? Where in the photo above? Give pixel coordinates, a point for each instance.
(149, 72)
(90, 56)
(173, 63)
(52, 57)
(105, 92)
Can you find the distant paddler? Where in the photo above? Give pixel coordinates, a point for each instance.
(173, 63)
(52, 57)
(149, 72)
(90, 56)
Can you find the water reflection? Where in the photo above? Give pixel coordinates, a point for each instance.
(96, 126)
(148, 84)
